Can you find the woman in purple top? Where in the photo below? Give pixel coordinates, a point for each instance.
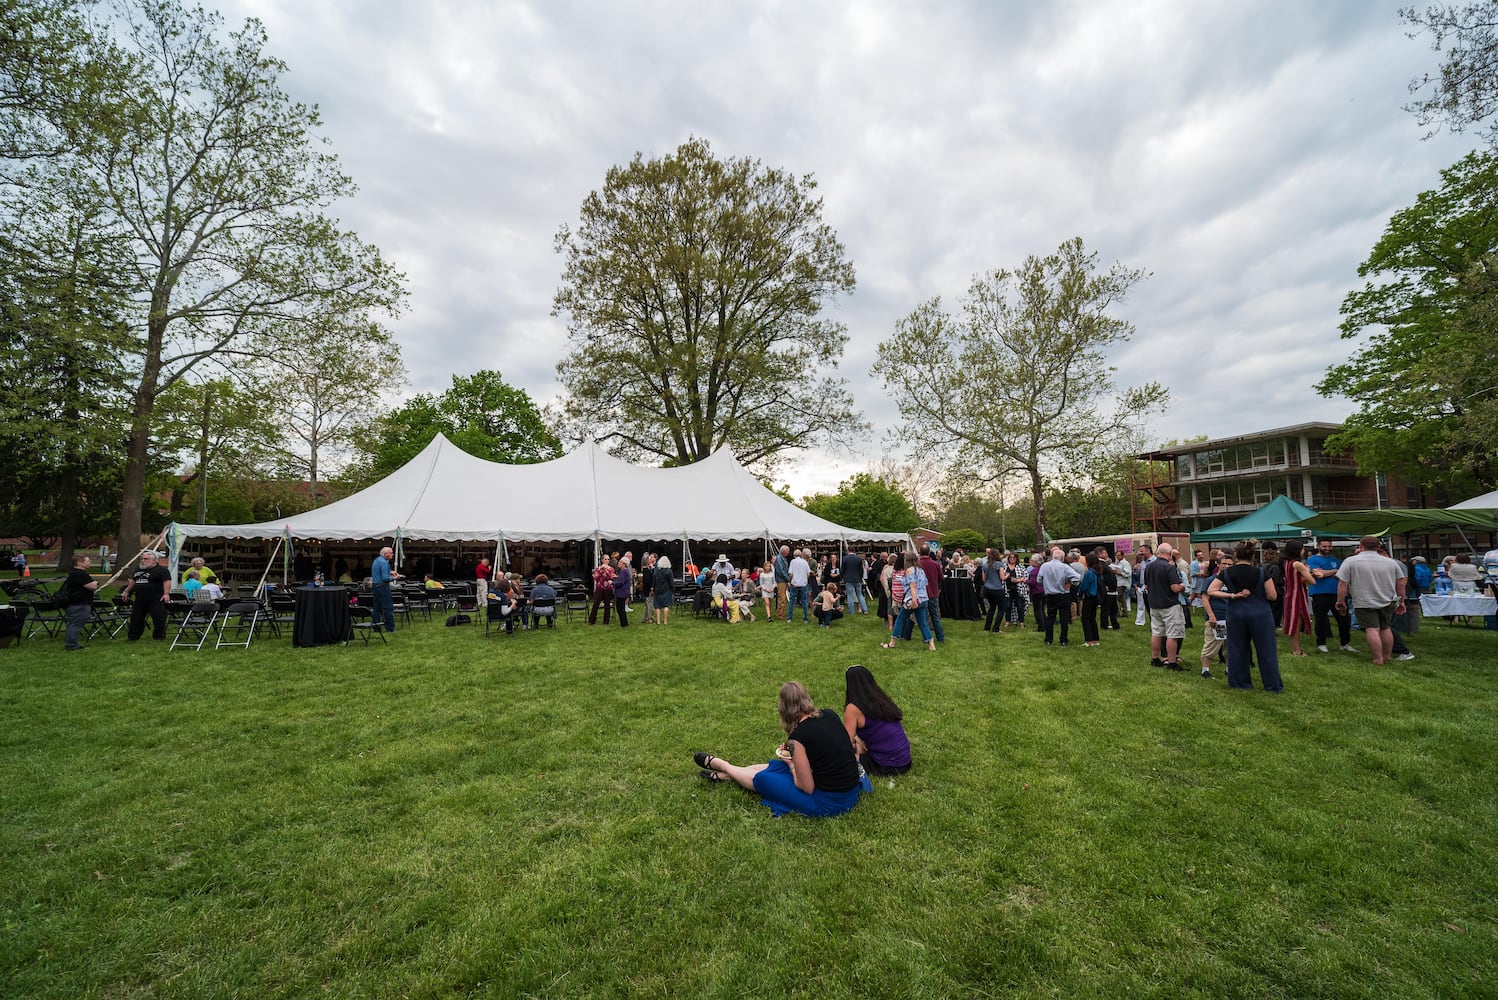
(873, 722)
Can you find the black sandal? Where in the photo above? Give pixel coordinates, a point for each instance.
(713, 776)
(703, 759)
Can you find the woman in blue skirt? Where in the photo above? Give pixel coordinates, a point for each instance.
(815, 772)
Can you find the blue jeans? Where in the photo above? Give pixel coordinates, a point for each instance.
(384, 609)
(799, 599)
(933, 610)
(920, 611)
(855, 597)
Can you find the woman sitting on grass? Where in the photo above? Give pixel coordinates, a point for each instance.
(872, 720)
(815, 772)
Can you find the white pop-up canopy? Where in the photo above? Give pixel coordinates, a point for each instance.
(445, 494)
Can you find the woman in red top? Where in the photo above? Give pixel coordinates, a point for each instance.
(603, 591)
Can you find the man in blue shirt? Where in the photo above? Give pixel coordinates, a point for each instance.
(380, 575)
(1323, 566)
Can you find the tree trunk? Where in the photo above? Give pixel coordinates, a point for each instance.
(1037, 494)
(203, 462)
(137, 446)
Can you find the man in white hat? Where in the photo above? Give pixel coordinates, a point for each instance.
(722, 567)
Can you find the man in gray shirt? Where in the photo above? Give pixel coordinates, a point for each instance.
(1056, 578)
(1376, 583)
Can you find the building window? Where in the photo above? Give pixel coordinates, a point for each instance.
(1183, 467)
(1209, 462)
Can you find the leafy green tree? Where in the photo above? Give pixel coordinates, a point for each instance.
(865, 503)
(1423, 370)
(52, 68)
(1004, 525)
(216, 178)
(330, 388)
(61, 339)
(694, 289)
(966, 539)
(1020, 383)
(480, 414)
(218, 429)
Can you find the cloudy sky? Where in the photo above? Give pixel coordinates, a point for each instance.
(1246, 154)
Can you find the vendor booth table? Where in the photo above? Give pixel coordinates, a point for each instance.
(1460, 605)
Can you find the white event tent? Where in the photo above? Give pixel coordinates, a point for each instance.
(445, 494)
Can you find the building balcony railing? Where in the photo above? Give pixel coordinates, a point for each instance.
(1327, 464)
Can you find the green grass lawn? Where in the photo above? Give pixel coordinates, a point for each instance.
(519, 816)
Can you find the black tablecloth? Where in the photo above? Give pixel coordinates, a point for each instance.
(959, 602)
(321, 617)
(12, 619)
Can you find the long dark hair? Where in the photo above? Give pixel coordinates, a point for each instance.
(1293, 549)
(862, 690)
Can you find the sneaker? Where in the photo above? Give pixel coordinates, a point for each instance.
(1063, 643)
(1405, 656)
(1157, 662)
(1174, 666)
(1322, 649)
(1347, 648)
(1206, 673)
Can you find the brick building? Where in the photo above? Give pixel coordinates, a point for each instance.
(1209, 483)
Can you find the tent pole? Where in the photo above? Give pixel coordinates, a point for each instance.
(121, 567)
(286, 559)
(499, 545)
(259, 587)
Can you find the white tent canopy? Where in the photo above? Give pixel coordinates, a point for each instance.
(445, 494)
(1486, 501)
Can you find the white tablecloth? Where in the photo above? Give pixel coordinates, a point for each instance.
(1440, 605)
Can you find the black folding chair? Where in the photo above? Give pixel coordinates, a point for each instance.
(494, 621)
(44, 617)
(545, 607)
(361, 620)
(196, 626)
(236, 626)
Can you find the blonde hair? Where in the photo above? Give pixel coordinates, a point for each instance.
(794, 703)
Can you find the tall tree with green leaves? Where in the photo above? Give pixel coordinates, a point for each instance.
(220, 181)
(1020, 382)
(1422, 365)
(480, 413)
(63, 336)
(694, 290)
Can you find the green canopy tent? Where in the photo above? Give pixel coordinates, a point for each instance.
(1402, 520)
(1276, 519)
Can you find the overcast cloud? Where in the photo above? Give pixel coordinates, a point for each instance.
(1248, 155)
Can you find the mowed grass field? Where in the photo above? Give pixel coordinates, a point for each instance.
(520, 817)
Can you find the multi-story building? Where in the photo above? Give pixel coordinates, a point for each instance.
(1209, 483)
